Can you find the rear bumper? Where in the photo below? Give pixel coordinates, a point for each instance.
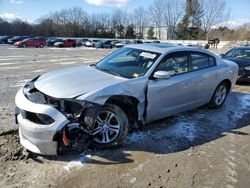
(36, 137)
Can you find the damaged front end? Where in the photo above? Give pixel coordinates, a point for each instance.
(67, 124)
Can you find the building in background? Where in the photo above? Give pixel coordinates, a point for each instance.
(160, 33)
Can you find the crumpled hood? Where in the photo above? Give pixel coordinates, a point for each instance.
(72, 82)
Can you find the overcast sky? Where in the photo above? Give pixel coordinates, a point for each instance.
(31, 10)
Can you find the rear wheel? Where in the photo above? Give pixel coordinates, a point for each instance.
(111, 127)
(219, 95)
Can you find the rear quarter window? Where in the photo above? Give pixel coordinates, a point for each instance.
(201, 61)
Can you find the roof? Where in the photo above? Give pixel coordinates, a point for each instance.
(155, 47)
(166, 47)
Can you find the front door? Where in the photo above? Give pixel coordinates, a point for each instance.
(178, 93)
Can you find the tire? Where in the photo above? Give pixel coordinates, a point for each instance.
(219, 96)
(41, 46)
(24, 46)
(117, 118)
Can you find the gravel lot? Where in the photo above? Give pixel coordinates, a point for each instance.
(198, 148)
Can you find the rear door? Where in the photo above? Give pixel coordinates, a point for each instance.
(205, 70)
(178, 93)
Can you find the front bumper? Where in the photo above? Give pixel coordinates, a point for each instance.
(244, 78)
(36, 137)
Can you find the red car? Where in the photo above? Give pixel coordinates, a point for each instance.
(32, 42)
(66, 43)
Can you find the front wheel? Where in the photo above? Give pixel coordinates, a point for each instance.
(110, 128)
(219, 95)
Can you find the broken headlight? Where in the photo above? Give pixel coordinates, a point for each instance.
(72, 109)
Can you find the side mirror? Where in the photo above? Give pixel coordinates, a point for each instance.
(162, 74)
(222, 55)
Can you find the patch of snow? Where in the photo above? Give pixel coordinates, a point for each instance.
(79, 162)
(21, 83)
(89, 61)
(9, 68)
(40, 70)
(8, 59)
(133, 180)
(67, 63)
(182, 130)
(3, 64)
(135, 137)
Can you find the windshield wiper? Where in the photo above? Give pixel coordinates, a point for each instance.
(110, 72)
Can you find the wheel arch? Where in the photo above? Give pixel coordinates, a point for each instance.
(129, 105)
(228, 82)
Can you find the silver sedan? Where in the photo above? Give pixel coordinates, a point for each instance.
(97, 105)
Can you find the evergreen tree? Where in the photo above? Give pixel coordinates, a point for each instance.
(130, 32)
(151, 33)
(190, 27)
(120, 31)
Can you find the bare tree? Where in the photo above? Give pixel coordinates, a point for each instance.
(214, 13)
(120, 20)
(156, 14)
(140, 20)
(173, 12)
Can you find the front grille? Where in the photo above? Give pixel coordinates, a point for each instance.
(41, 119)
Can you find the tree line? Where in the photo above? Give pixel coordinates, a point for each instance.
(185, 20)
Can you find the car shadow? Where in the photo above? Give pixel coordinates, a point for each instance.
(183, 131)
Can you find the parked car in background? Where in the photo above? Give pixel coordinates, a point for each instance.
(100, 103)
(16, 39)
(81, 42)
(52, 41)
(4, 39)
(137, 42)
(93, 43)
(66, 43)
(122, 44)
(113, 42)
(107, 44)
(32, 42)
(241, 56)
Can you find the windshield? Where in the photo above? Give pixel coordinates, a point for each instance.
(240, 53)
(128, 62)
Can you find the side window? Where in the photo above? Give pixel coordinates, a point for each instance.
(212, 61)
(176, 63)
(199, 61)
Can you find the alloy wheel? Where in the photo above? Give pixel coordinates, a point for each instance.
(107, 127)
(220, 95)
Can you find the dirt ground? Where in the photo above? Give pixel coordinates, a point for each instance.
(198, 148)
